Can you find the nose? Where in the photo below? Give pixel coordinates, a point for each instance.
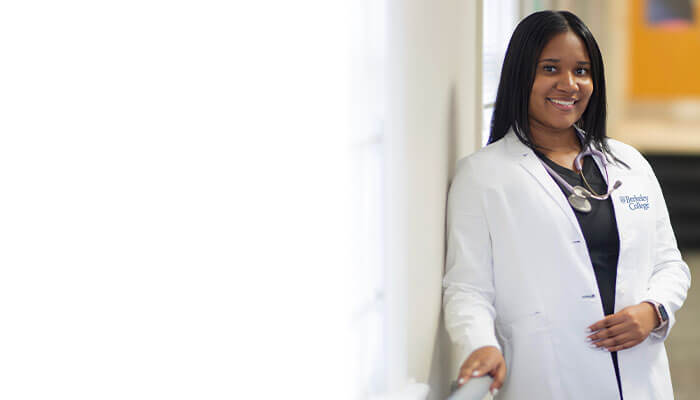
(567, 82)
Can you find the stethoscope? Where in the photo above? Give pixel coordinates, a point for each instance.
(579, 197)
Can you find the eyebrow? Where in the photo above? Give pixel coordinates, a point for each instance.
(556, 60)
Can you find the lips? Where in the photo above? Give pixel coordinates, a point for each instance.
(563, 104)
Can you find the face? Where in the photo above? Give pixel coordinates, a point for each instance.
(563, 84)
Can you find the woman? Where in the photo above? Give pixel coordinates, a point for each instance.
(563, 275)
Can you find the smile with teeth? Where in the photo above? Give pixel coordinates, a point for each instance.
(562, 104)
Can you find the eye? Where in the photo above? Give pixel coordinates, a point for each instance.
(581, 71)
(549, 68)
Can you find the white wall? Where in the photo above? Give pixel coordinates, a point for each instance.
(434, 88)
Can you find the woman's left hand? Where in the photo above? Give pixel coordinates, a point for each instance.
(624, 329)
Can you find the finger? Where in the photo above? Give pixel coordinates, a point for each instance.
(483, 369)
(467, 372)
(470, 368)
(612, 331)
(626, 345)
(610, 320)
(499, 377)
(618, 340)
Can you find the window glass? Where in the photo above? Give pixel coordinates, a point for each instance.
(366, 283)
(500, 18)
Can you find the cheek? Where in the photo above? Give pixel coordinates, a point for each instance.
(588, 90)
(588, 95)
(537, 97)
(539, 87)
(531, 101)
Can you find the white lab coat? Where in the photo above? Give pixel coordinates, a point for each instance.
(517, 261)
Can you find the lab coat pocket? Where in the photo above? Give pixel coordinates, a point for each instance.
(646, 365)
(529, 355)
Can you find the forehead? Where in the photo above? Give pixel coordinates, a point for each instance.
(565, 45)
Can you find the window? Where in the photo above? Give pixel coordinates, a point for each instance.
(500, 18)
(368, 318)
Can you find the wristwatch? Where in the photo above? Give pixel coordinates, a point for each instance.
(660, 313)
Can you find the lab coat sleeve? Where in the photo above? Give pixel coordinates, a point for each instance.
(468, 284)
(670, 278)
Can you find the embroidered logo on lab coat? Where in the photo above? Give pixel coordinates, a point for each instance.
(637, 202)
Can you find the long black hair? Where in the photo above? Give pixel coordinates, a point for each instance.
(518, 74)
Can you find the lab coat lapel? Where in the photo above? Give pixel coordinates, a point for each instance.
(532, 164)
(614, 174)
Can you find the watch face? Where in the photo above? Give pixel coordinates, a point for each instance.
(662, 311)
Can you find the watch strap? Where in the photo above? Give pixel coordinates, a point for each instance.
(660, 315)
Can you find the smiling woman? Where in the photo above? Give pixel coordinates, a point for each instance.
(562, 83)
(558, 289)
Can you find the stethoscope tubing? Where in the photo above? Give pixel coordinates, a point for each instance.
(579, 165)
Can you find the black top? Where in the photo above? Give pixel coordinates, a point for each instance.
(600, 232)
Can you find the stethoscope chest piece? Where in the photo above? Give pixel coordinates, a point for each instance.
(580, 196)
(578, 199)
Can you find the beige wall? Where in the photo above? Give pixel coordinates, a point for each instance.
(434, 87)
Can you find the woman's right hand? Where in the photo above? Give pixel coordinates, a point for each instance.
(486, 360)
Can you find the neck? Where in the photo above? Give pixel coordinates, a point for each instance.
(551, 141)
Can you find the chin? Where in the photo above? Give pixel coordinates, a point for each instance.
(561, 125)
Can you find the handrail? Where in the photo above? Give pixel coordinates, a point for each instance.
(474, 389)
